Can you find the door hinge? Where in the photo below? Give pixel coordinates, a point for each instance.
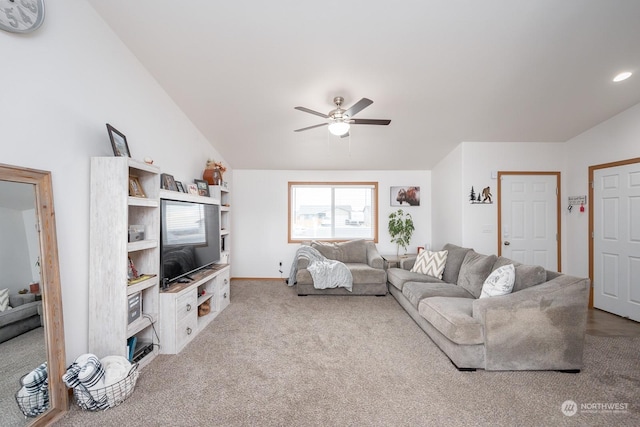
(591, 184)
(592, 236)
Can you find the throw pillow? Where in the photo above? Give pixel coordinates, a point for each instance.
(500, 282)
(430, 263)
(474, 271)
(4, 299)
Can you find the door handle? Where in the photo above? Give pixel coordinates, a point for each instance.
(507, 243)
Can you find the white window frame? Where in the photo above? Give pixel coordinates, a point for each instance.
(332, 185)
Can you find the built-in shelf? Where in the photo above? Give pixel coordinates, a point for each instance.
(112, 301)
(142, 245)
(142, 202)
(141, 286)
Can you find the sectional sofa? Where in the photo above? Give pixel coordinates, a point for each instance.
(25, 315)
(540, 325)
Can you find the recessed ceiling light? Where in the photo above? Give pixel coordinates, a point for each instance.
(622, 76)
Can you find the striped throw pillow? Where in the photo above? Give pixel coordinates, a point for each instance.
(4, 299)
(430, 263)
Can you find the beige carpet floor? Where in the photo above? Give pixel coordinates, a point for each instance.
(275, 359)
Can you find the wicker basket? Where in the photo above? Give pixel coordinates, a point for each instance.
(107, 397)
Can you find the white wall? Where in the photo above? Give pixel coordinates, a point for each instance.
(15, 269)
(479, 159)
(31, 233)
(68, 79)
(447, 204)
(613, 140)
(259, 214)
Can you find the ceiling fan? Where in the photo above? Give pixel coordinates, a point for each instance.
(340, 120)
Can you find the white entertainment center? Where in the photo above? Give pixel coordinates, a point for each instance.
(120, 309)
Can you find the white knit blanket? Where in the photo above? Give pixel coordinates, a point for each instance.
(326, 273)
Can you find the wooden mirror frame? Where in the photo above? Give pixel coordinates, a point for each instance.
(49, 285)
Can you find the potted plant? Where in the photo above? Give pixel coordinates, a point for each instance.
(401, 229)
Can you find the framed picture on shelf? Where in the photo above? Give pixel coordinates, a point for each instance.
(203, 187)
(167, 182)
(118, 142)
(135, 189)
(192, 189)
(180, 187)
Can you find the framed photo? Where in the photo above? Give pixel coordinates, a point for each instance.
(405, 196)
(180, 187)
(135, 189)
(118, 142)
(167, 182)
(203, 187)
(192, 189)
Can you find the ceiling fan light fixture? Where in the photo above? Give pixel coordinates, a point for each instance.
(622, 76)
(339, 128)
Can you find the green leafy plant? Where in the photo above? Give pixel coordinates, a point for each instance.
(401, 229)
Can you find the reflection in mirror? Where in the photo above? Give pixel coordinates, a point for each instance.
(31, 335)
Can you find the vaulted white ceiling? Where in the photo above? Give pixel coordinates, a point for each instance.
(443, 71)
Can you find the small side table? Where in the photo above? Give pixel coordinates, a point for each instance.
(391, 261)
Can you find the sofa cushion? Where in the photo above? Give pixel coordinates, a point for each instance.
(397, 277)
(453, 317)
(499, 282)
(349, 251)
(430, 263)
(529, 275)
(19, 313)
(526, 275)
(455, 256)
(417, 291)
(474, 271)
(362, 273)
(20, 299)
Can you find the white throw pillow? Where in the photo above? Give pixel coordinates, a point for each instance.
(4, 299)
(500, 282)
(430, 263)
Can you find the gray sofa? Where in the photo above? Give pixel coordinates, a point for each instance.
(362, 259)
(25, 315)
(540, 325)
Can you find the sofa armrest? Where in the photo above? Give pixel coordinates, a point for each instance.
(302, 263)
(374, 259)
(538, 328)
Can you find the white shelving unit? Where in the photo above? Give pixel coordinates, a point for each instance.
(112, 212)
(222, 192)
(180, 321)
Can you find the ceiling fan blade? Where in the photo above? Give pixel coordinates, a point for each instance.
(306, 110)
(369, 122)
(311, 127)
(358, 106)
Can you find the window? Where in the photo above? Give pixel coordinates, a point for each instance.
(333, 211)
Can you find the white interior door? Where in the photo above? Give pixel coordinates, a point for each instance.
(528, 222)
(616, 240)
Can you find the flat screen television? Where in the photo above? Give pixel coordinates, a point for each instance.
(189, 239)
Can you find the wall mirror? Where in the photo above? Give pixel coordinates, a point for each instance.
(32, 330)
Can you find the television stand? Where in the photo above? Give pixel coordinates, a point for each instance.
(179, 320)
